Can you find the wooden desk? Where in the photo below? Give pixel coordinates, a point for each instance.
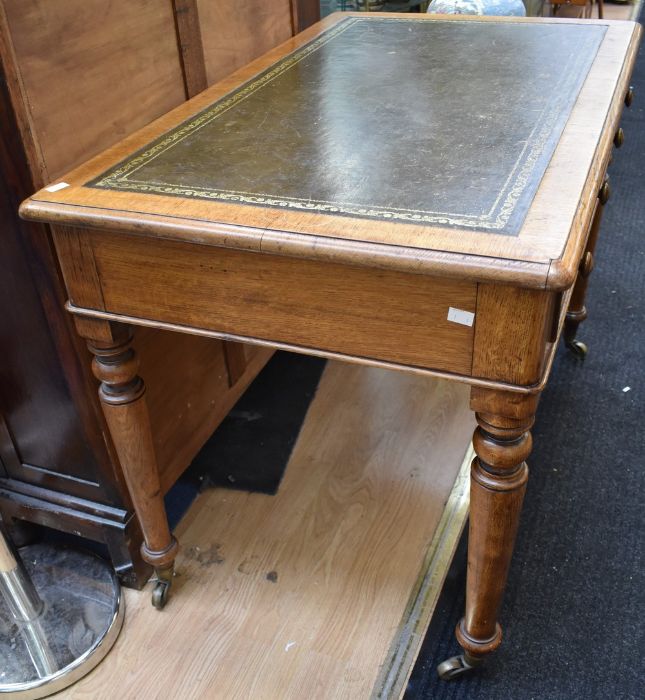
(408, 192)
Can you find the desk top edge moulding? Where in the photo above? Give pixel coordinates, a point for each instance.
(280, 157)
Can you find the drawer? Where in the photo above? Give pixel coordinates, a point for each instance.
(355, 311)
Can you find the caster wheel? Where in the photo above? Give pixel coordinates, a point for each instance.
(454, 667)
(578, 348)
(160, 594)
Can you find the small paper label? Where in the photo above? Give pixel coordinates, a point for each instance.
(58, 186)
(466, 318)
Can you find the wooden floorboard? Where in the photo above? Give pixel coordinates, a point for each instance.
(304, 594)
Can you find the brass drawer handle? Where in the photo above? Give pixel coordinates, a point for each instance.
(619, 137)
(629, 97)
(605, 191)
(586, 264)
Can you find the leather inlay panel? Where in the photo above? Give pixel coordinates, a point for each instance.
(334, 127)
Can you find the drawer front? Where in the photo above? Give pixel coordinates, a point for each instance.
(360, 312)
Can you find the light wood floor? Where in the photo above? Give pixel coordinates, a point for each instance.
(304, 594)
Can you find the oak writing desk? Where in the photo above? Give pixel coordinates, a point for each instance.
(418, 193)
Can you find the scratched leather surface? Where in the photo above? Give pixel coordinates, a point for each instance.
(431, 122)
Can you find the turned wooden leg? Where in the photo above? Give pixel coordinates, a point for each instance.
(122, 394)
(502, 443)
(577, 312)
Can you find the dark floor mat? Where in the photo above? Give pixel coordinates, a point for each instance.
(251, 447)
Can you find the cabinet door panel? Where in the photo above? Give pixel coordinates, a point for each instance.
(234, 32)
(93, 71)
(41, 422)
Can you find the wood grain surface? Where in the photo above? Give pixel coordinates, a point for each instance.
(94, 105)
(191, 49)
(235, 32)
(385, 315)
(512, 333)
(181, 417)
(299, 595)
(502, 442)
(122, 395)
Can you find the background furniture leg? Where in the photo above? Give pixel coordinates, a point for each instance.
(502, 442)
(122, 394)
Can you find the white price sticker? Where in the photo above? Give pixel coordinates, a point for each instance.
(466, 318)
(55, 188)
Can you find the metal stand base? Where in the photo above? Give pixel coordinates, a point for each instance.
(80, 621)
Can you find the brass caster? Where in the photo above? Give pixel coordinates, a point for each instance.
(578, 348)
(457, 666)
(161, 591)
(160, 594)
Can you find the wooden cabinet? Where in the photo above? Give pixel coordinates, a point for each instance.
(233, 39)
(77, 76)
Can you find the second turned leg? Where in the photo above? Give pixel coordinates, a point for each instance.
(502, 443)
(122, 394)
(577, 311)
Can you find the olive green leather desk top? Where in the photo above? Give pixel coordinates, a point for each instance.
(384, 136)
(396, 119)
